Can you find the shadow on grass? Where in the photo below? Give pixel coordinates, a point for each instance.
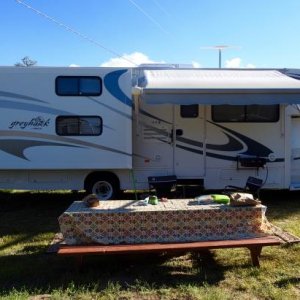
(32, 213)
(21, 200)
(281, 204)
(45, 273)
(290, 280)
(15, 241)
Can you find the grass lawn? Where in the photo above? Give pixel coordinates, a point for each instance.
(28, 222)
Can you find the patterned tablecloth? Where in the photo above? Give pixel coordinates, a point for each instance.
(178, 220)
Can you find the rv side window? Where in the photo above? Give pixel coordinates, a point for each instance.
(78, 86)
(189, 111)
(245, 113)
(78, 125)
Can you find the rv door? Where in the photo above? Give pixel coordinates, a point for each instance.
(189, 149)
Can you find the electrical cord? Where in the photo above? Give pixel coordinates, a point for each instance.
(267, 175)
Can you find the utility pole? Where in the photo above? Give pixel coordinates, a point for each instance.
(220, 48)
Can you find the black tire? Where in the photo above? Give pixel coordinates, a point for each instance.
(105, 187)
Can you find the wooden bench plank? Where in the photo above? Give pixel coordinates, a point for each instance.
(156, 247)
(254, 245)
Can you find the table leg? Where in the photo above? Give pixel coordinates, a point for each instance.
(79, 262)
(255, 252)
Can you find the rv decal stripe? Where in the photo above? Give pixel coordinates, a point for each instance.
(189, 141)
(219, 156)
(145, 113)
(253, 148)
(111, 82)
(190, 149)
(237, 142)
(232, 145)
(17, 147)
(128, 116)
(19, 96)
(155, 130)
(37, 108)
(11, 133)
(31, 107)
(293, 75)
(224, 157)
(214, 155)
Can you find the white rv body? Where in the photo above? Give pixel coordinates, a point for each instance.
(33, 154)
(135, 128)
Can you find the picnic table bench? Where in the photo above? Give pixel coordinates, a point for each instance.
(255, 246)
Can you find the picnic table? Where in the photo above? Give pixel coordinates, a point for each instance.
(130, 226)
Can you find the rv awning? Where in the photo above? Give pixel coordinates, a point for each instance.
(236, 87)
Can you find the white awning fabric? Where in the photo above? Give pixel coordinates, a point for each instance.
(215, 87)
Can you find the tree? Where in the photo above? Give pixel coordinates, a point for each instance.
(26, 62)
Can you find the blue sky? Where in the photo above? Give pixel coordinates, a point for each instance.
(263, 33)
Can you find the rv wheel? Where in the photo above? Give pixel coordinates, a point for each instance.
(104, 188)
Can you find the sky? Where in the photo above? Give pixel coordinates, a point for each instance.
(258, 33)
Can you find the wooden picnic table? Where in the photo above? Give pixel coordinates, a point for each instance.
(130, 226)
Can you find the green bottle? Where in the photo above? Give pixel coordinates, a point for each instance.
(221, 199)
(153, 200)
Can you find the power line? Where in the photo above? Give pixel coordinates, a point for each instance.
(161, 8)
(72, 30)
(148, 16)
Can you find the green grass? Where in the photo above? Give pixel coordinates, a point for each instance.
(28, 222)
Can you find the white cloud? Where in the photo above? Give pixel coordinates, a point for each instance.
(236, 62)
(196, 64)
(250, 66)
(233, 63)
(135, 59)
(129, 60)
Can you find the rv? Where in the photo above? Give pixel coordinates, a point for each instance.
(111, 129)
